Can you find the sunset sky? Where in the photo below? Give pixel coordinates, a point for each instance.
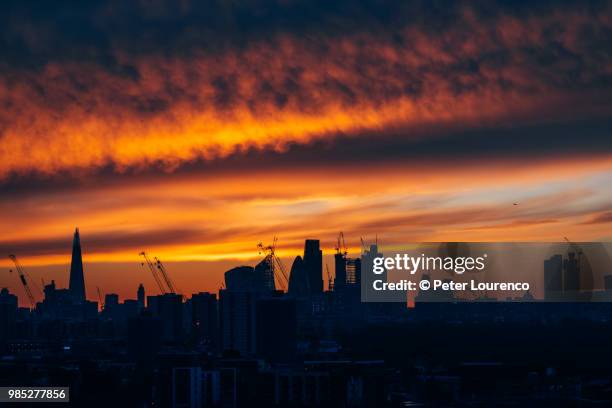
(196, 131)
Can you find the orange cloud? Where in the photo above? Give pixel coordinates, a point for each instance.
(224, 216)
(167, 111)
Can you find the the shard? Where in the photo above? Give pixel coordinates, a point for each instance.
(77, 280)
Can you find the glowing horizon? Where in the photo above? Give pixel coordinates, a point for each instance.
(197, 141)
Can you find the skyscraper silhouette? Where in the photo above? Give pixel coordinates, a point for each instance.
(299, 284)
(313, 263)
(245, 279)
(553, 277)
(140, 293)
(340, 272)
(77, 281)
(204, 319)
(265, 272)
(571, 275)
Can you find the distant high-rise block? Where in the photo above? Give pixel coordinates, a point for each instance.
(348, 272)
(353, 271)
(111, 305)
(367, 261)
(313, 264)
(77, 279)
(198, 387)
(553, 277)
(264, 271)
(571, 273)
(608, 282)
(367, 264)
(238, 313)
(144, 337)
(169, 308)
(340, 272)
(8, 314)
(204, 319)
(276, 329)
(245, 279)
(111, 300)
(141, 297)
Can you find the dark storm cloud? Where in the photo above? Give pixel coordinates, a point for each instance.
(36, 34)
(107, 84)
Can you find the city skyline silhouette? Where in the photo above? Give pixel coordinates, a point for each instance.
(194, 196)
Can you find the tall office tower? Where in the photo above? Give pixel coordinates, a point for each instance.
(367, 277)
(553, 277)
(367, 265)
(141, 297)
(204, 320)
(237, 309)
(77, 281)
(313, 264)
(348, 272)
(246, 279)
(353, 271)
(264, 271)
(238, 318)
(169, 309)
(111, 306)
(571, 276)
(8, 314)
(276, 329)
(340, 269)
(608, 283)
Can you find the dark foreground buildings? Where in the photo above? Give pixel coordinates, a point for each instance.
(253, 345)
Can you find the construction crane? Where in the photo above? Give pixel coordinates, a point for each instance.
(100, 297)
(576, 248)
(364, 247)
(341, 245)
(22, 278)
(274, 262)
(154, 272)
(164, 273)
